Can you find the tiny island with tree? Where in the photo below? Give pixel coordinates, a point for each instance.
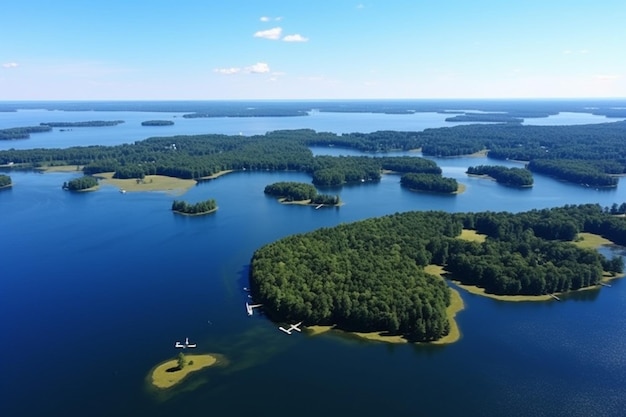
(5, 181)
(197, 209)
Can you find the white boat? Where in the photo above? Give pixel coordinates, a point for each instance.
(189, 345)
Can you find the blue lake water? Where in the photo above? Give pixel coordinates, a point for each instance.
(95, 288)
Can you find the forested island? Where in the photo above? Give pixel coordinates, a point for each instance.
(22, 132)
(91, 123)
(5, 181)
(515, 177)
(590, 155)
(369, 275)
(429, 182)
(202, 207)
(83, 183)
(289, 191)
(157, 123)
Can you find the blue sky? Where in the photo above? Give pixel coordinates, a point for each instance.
(305, 49)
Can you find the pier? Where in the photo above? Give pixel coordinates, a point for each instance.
(319, 207)
(555, 297)
(604, 284)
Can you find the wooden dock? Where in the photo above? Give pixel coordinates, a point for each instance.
(555, 297)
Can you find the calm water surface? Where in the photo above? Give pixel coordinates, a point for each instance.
(95, 289)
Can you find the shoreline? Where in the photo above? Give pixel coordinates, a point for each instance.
(306, 203)
(195, 214)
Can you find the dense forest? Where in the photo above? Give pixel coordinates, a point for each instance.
(516, 177)
(157, 123)
(429, 182)
(586, 154)
(79, 184)
(91, 123)
(202, 207)
(5, 181)
(369, 276)
(22, 132)
(298, 191)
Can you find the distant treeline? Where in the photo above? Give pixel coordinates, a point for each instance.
(516, 177)
(157, 123)
(22, 132)
(81, 183)
(369, 276)
(298, 191)
(91, 123)
(5, 180)
(587, 154)
(201, 207)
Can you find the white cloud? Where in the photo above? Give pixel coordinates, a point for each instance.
(227, 71)
(258, 68)
(10, 65)
(269, 19)
(295, 38)
(273, 34)
(360, 6)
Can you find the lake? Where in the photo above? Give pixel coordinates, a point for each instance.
(95, 288)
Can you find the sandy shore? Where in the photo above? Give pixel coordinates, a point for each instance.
(161, 378)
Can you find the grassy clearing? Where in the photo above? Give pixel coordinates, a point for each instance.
(591, 241)
(150, 183)
(62, 168)
(161, 378)
(472, 236)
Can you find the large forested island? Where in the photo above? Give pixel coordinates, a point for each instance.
(369, 275)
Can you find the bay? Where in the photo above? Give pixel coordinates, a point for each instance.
(96, 287)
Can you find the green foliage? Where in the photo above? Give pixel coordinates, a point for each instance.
(517, 177)
(5, 180)
(368, 275)
(181, 360)
(157, 123)
(92, 123)
(22, 132)
(198, 208)
(429, 182)
(581, 172)
(81, 183)
(291, 191)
